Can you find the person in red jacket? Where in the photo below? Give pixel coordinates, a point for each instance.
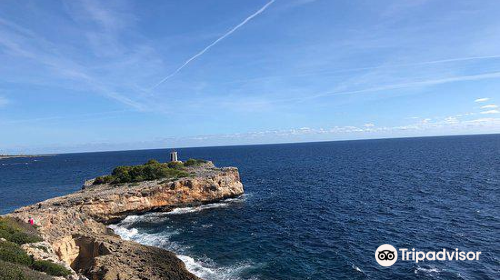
(31, 221)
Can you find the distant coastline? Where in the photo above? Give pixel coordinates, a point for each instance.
(21, 156)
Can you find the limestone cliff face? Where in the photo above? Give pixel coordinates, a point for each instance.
(74, 225)
(107, 204)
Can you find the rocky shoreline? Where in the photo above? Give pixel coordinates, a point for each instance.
(75, 233)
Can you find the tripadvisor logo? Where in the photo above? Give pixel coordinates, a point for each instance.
(387, 255)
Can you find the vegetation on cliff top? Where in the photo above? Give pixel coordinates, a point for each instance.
(11, 252)
(18, 232)
(50, 268)
(152, 170)
(15, 263)
(12, 271)
(194, 162)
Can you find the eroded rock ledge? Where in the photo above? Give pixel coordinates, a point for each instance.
(74, 225)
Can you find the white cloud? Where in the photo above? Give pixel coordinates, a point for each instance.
(491, 106)
(484, 99)
(490, 112)
(465, 114)
(385, 66)
(369, 125)
(482, 121)
(25, 43)
(451, 120)
(423, 83)
(443, 126)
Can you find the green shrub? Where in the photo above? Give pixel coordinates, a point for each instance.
(11, 252)
(194, 162)
(50, 268)
(172, 173)
(175, 165)
(11, 271)
(103, 180)
(152, 161)
(18, 232)
(152, 170)
(121, 174)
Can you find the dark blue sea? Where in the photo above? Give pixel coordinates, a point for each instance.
(312, 210)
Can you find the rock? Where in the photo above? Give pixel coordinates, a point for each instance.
(41, 251)
(44, 251)
(73, 226)
(88, 183)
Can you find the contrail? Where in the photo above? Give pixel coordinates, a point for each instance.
(215, 42)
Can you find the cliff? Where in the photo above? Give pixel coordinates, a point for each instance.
(74, 226)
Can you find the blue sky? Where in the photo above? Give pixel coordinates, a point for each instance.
(109, 75)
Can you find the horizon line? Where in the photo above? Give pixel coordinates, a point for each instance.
(256, 144)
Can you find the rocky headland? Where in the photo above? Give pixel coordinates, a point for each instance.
(75, 233)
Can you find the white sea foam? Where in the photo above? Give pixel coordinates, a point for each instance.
(195, 267)
(185, 210)
(357, 268)
(222, 204)
(204, 268)
(148, 218)
(131, 219)
(426, 270)
(124, 232)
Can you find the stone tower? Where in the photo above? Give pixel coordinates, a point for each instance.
(173, 156)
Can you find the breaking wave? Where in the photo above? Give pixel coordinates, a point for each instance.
(185, 210)
(206, 269)
(424, 270)
(223, 204)
(202, 267)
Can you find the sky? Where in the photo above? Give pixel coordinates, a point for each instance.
(85, 75)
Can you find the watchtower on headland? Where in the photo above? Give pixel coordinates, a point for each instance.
(173, 156)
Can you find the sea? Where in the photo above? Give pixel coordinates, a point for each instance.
(310, 210)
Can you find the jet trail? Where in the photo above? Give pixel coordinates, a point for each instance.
(215, 42)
